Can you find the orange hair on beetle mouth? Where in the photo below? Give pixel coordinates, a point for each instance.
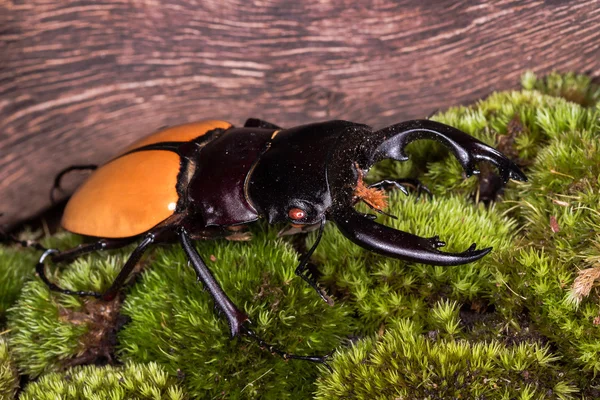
(373, 197)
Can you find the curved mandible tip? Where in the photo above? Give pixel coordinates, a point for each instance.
(398, 244)
(392, 141)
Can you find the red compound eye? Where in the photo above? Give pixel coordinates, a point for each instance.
(296, 213)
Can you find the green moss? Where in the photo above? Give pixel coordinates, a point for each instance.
(9, 379)
(16, 267)
(415, 329)
(381, 288)
(132, 381)
(404, 364)
(558, 206)
(577, 88)
(542, 283)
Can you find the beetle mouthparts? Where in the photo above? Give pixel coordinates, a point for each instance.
(398, 244)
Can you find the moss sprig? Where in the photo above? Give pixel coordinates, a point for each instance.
(17, 266)
(577, 88)
(404, 363)
(131, 381)
(9, 378)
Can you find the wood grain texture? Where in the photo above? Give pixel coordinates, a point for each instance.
(81, 79)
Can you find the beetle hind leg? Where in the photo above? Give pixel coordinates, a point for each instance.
(9, 238)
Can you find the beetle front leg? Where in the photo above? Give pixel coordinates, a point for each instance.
(238, 321)
(235, 317)
(301, 272)
(401, 184)
(302, 267)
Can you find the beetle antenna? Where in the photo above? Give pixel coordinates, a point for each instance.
(302, 267)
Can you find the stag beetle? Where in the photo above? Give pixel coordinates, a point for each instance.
(207, 180)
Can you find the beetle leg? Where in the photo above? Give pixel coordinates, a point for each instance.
(401, 184)
(236, 318)
(8, 238)
(130, 264)
(286, 356)
(103, 244)
(259, 123)
(65, 171)
(302, 267)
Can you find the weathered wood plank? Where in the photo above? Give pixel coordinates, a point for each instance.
(80, 79)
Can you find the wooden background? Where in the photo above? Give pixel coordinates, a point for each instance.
(81, 79)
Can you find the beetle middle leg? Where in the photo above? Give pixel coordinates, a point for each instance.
(236, 318)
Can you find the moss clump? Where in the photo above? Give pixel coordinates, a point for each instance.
(382, 289)
(9, 378)
(174, 322)
(577, 88)
(132, 381)
(558, 206)
(50, 331)
(544, 283)
(16, 267)
(405, 364)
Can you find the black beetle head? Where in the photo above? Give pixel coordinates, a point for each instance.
(312, 172)
(290, 182)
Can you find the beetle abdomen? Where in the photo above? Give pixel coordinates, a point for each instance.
(135, 192)
(179, 133)
(125, 197)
